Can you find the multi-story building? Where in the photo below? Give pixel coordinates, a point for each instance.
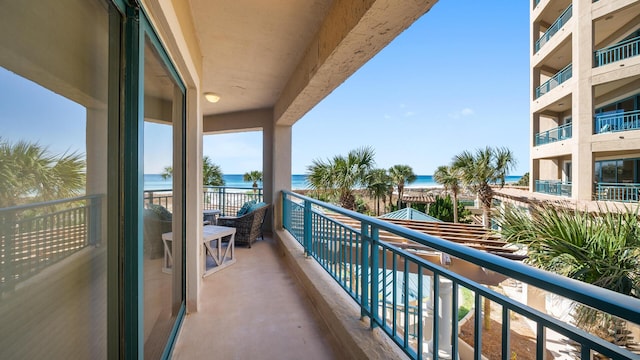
(585, 99)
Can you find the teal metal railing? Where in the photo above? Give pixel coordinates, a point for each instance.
(557, 79)
(560, 133)
(617, 52)
(224, 198)
(553, 29)
(615, 122)
(35, 236)
(553, 187)
(359, 261)
(621, 192)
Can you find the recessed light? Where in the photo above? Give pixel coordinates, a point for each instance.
(211, 97)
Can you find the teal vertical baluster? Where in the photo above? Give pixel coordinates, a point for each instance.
(286, 212)
(364, 272)
(307, 228)
(374, 276)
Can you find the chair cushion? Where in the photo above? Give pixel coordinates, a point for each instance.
(245, 208)
(256, 206)
(160, 211)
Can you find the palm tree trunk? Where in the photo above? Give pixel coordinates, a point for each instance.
(455, 207)
(486, 323)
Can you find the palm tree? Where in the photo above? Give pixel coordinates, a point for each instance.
(478, 171)
(401, 175)
(600, 248)
(29, 172)
(341, 175)
(450, 179)
(377, 185)
(211, 173)
(253, 176)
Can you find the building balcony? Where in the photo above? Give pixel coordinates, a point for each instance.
(554, 28)
(620, 192)
(557, 79)
(553, 187)
(556, 134)
(616, 122)
(617, 52)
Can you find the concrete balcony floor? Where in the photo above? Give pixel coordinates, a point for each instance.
(254, 309)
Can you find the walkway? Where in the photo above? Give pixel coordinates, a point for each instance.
(254, 309)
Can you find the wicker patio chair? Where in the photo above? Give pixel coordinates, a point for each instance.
(248, 226)
(157, 220)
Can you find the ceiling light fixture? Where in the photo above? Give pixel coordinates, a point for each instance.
(211, 97)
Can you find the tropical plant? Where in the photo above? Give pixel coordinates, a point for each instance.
(400, 176)
(450, 179)
(443, 209)
(480, 170)
(601, 248)
(211, 173)
(341, 175)
(524, 180)
(378, 183)
(29, 173)
(253, 176)
(167, 172)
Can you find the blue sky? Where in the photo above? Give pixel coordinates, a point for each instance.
(457, 79)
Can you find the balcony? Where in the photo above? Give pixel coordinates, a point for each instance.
(557, 79)
(553, 187)
(620, 192)
(617, 52)
(411, 294)
(554, 28)
(262, 306)
(616, 122)
(556, 134)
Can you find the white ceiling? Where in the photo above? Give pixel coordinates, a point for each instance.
(251, 47)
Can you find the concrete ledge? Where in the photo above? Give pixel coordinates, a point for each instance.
(339, 313)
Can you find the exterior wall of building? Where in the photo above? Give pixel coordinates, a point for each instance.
(585, 28)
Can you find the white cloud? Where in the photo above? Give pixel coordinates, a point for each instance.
(409, 113)
(461, 113)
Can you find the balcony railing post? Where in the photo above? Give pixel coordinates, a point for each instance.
(364, 273)
(7, 267)
(307, 228)
(375, 271)
(94, 224)
(286, 212)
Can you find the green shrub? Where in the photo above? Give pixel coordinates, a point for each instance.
(442, 209)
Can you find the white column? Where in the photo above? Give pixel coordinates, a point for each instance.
(277, 169)
(444, 317)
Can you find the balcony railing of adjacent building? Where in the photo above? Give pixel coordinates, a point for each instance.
(557, 79)
(620, 51)
(379, 276)
(621, 192)
(553, 187)
(553, 29)
(615, 122)
(36, 236)
(224, 198)
(560, 133)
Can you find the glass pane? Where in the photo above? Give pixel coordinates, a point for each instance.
(626, 171)
(162, 248)
(609, 171)
(54, 60)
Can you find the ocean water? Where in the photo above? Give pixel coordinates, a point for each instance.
(298, 182)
